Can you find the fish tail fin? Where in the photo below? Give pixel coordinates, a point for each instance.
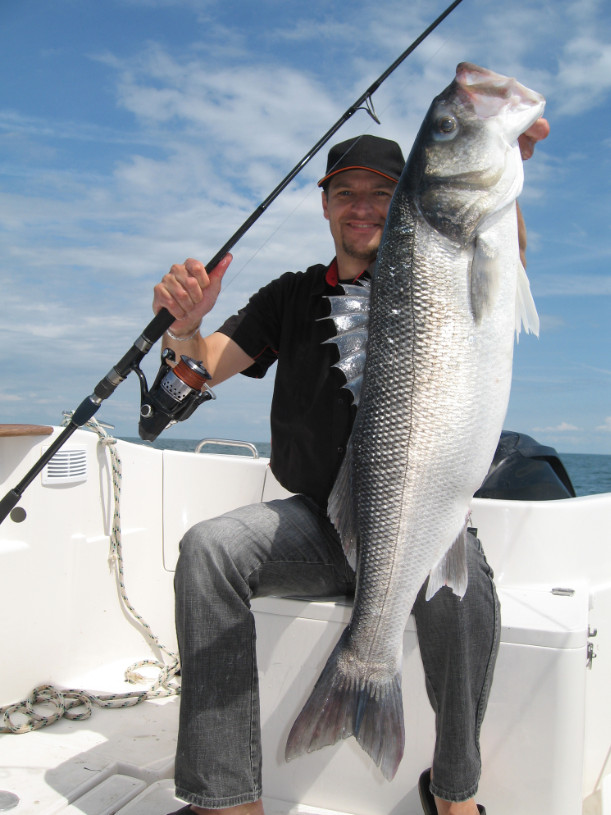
(451, 569)
(342, 706)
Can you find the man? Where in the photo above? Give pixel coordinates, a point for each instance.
(289, 547)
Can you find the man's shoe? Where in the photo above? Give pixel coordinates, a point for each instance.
(426, 796)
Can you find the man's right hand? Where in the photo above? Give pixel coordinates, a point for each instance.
(188, 292)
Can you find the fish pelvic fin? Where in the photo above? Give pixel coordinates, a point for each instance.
(451, 569)
(341, 509)
(526, 310)
(343, 705)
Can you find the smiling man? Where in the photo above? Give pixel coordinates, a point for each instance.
(289, 547)
(355, 201)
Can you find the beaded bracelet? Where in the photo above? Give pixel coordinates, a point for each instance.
(173, 336)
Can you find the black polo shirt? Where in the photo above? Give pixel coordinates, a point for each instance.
(311, 414)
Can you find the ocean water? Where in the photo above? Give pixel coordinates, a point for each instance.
(589, 473)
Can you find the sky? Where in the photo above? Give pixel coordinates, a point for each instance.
(137, 133)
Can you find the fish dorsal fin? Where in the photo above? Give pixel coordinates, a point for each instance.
(526, 310)
(341, 509)
(451, 569)
(350, 315)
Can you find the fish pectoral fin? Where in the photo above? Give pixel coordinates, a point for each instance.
(341, 706)
(526, 310)
(451, 569)
(485, 277)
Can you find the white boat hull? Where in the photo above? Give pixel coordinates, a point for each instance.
(547, 734)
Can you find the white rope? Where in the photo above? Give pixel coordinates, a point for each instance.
(78, 704)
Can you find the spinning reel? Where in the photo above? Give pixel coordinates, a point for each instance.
(175, 394)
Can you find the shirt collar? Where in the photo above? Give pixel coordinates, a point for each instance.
(332, 275)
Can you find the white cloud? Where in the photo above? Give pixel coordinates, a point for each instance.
(562, 427)
(606, 426)
(5, 396)
(585, 74)
(212, 103)
(578, 285)
(551, 322)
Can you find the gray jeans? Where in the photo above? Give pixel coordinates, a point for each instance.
(289, 547)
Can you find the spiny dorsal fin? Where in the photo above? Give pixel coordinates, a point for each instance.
(350, 315)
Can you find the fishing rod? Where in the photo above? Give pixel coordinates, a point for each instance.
(178, 390)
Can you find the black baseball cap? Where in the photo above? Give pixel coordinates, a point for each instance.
(366, 152)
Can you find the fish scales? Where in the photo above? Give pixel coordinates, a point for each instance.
(447, 293)
(428, 389)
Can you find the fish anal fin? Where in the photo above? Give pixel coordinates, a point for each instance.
(451, 570)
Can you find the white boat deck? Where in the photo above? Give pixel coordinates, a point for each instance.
(93, 767)
(122, 760)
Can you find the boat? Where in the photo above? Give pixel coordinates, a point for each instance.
(89, 683)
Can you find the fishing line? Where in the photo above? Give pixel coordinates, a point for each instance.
(288, 216)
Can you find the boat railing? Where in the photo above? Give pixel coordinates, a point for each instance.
(246, 445)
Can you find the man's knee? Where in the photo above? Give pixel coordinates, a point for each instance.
(199, 553)
(214, 553)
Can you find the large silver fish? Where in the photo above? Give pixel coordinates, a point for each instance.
(447, 294)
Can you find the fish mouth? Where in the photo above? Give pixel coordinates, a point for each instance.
(488, 92)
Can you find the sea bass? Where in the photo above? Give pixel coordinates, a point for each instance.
(447, 293)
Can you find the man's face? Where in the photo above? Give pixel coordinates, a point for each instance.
(356, 205)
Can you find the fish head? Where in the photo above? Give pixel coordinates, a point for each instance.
(465, 164)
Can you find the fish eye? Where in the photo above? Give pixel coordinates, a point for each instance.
(445, 127)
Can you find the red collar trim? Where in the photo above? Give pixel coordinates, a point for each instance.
(332, 275)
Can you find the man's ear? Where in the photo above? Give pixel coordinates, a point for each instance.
(325, 211)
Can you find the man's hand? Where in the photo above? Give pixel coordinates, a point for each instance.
(535, 133)
(188, 292)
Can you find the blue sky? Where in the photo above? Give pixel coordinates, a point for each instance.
(136, 133)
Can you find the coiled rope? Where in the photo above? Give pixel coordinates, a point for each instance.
(78, 704)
